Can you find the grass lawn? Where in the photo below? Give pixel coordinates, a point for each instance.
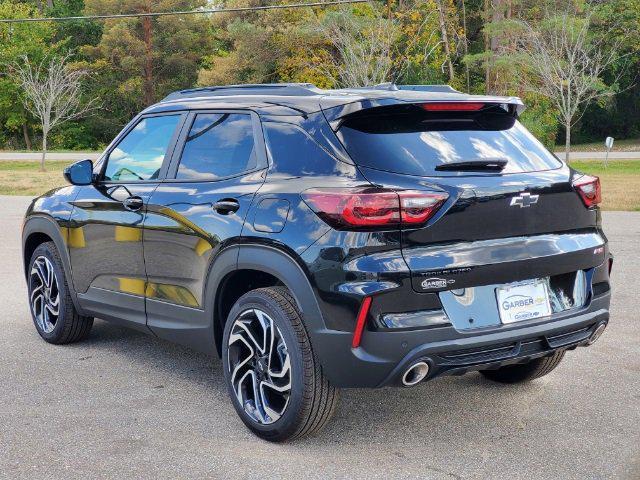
(25, 178)
(619, 179)
(55, 150)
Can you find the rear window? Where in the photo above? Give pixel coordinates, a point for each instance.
(414, 142)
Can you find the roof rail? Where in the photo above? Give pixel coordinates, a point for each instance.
(290, 89)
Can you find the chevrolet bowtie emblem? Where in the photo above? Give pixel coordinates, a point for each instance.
(524, 200)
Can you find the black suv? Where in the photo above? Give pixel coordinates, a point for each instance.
(318, 239)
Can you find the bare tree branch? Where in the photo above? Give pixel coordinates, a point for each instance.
(368, 51)
(566, 64)
(52, 93)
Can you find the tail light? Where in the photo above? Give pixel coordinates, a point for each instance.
(589, 189)
(452, 106)
(371, 208)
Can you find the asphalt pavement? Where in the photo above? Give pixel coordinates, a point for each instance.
(126, 405)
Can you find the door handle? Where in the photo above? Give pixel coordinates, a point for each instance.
(133, 203)
(226, 206)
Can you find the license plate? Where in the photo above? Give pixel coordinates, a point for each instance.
(523, 301)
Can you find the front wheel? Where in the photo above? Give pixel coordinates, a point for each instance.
(275, 382)
(52, 309)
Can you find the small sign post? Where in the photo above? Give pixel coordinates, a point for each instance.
(608, 143)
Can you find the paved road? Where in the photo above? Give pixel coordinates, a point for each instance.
(70, 156)
(94, 156)
(125, 405)
(613, 156)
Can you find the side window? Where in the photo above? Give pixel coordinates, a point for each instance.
(219, 145)
(140, 154)
(294, 152)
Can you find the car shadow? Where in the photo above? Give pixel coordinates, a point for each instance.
(469, 405)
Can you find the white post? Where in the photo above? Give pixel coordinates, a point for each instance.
(608, 143)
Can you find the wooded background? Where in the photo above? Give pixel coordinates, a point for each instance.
(469, 44)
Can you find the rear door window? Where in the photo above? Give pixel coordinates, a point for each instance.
(219, 145)
(415, 142)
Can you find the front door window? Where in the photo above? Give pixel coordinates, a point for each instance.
(140, 154)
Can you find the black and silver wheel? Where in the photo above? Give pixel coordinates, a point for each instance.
(45, 294)
(275, 382)
(52, 309)
(260, 366)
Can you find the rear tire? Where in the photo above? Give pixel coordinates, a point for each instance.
(52, 310)
(274, 380)
(525, 372)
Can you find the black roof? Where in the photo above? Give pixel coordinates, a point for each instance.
(306, 98)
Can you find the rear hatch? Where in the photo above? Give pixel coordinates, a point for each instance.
(512, 211)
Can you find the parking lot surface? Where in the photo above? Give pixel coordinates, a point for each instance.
(126, 405)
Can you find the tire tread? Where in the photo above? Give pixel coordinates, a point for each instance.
(76, 327)
(319, 397)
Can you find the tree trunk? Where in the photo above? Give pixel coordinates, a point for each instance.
(149, 95)
(487, 63)
(466, 45)
(497, 15)
(445, 38)
(49, 3)
(44, 150)
(27, 140)
(567, 141)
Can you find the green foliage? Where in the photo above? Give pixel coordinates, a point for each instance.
(118, 61)
(541, 119)
(33, 40)
(74, 136)
(288, 45)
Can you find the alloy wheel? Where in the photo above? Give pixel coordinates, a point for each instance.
(44, 294)
(259, 366)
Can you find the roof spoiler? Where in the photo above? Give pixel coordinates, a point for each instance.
(336, 114)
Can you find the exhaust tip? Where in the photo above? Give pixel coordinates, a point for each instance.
(415, 374)
(596, 333)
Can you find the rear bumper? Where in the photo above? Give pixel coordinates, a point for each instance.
(383, 356)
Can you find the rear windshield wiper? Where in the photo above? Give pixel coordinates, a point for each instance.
(479, 165)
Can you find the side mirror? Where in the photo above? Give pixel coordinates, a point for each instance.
(80, 173)
(608, 143)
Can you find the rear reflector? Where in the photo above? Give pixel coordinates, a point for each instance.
(452, 106)
(589, 189)
(372, 208)
(360, 322)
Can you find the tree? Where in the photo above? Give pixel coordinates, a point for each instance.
(442, 22)
(369, 49)
(566, 63)
(266, 46)
(52, 93)
(364, 47)
(17, 40)
(138, 61)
